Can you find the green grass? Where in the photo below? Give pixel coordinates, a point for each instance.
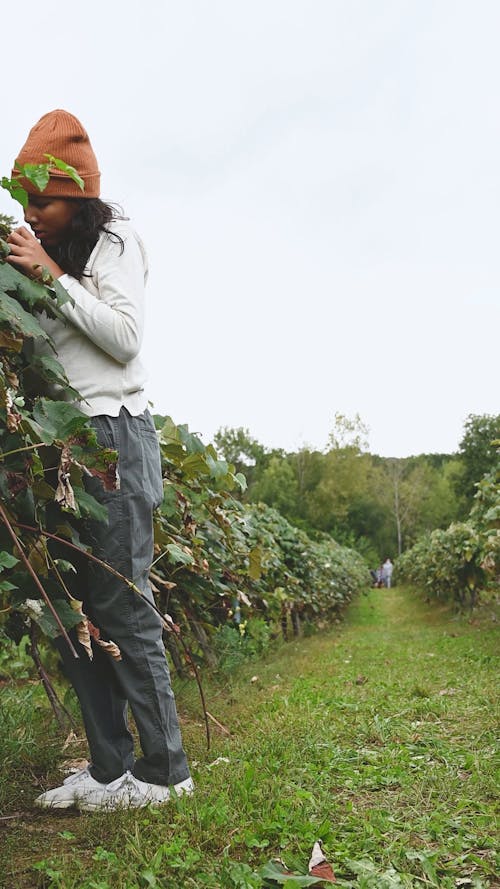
(377, 737)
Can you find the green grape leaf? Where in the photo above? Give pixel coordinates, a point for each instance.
(49, 368)
(16, 191)
(7, 560)
(88, 506)
(66, 168)
(42, 615)
(58, 420)
(37, 174)
(176, 554)
(12, 313)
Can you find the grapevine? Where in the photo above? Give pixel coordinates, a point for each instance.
(214, 557)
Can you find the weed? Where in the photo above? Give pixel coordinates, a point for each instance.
(235, 644)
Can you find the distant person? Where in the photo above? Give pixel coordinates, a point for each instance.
(387, 569)
(380, 576)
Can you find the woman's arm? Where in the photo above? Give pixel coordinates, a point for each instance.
(115, 320)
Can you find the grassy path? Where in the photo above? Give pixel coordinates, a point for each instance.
(377, 737)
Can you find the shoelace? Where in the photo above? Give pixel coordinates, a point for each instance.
(118, 783)
(78, 776)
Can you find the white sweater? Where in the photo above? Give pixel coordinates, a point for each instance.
(99, 346)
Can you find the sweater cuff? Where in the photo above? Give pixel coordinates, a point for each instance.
(66, 281)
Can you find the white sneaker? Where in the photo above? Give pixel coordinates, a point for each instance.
(128, 792)
(184, 787)
(65, 796)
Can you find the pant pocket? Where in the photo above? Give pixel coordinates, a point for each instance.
(153, 481)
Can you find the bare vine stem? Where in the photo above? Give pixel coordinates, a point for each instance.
(59, 709)
(30, 569)
(4, 454)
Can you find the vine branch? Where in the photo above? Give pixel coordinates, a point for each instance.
(30, 569)
(167, 622)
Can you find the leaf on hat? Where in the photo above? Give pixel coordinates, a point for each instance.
(66, 168)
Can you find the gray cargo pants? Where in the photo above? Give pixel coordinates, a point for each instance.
(141, 679)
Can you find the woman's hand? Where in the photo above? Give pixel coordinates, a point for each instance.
(28, 255)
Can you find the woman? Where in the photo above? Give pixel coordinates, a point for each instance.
(100, 260)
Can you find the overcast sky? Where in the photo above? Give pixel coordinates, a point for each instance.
(318, 186)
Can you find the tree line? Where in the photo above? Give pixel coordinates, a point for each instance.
(379, 506)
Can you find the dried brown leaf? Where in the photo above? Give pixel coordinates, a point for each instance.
(64, 491)
(12, 379)
(242, 597)
(171, 625)
(14, 418)
(71, 738)
(83, 636)
(10, 341)
(324, 871)
(111, 648)
(109, 476)
(82, 629)
(318, 865)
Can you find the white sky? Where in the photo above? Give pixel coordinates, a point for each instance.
(318, 186)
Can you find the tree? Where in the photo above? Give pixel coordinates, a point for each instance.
(238, 447)
(243, 451)
(343, 481)
(347, 433)
(477, 452)
(278, 487)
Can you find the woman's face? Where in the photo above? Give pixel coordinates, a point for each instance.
(49, 218)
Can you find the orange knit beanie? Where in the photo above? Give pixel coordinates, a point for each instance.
(60, 134)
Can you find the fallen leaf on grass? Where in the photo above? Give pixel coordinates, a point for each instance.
(217, 761)
(71, 739)
(361, 680)
(318, 865)
(448, 691)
